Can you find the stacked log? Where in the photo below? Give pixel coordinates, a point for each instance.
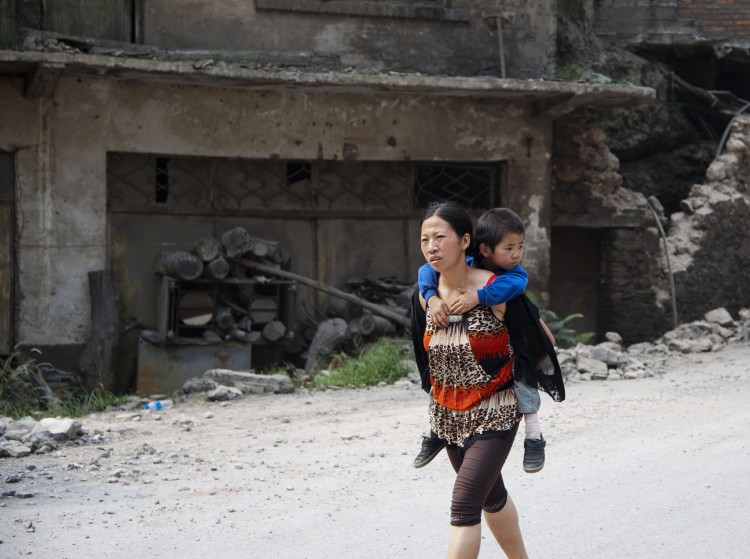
(216, 303)
(370, 307)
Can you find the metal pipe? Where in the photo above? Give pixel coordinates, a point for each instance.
(724, 137)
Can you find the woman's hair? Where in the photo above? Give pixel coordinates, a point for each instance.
(454, 215)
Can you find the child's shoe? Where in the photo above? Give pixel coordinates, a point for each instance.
(431, 447)
(533, 455)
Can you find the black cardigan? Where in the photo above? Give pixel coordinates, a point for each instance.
(535, 358)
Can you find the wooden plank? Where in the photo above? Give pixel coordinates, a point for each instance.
(377, 309)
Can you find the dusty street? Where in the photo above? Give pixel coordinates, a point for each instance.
(651, 468)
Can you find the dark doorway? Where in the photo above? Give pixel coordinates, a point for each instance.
(7, 253)
(575, 275)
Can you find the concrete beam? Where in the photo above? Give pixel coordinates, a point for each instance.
(208, 73)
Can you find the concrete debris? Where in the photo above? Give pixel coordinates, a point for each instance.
(224, 393)
(249, 383)
(609, 360)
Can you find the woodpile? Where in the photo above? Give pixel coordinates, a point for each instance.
(206, 295)
(226, 289)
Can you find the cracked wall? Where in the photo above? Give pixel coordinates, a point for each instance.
(709, 240)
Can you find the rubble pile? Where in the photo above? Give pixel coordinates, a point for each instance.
(27, 436)
(609, 360)
(220, 385)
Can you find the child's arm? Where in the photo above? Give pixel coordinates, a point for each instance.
(508, 285)
(427, 283)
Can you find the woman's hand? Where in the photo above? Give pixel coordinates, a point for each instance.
(439, 311)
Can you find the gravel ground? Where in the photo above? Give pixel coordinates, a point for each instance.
(657, 468)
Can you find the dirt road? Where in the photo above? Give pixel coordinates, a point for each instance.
(651, 468)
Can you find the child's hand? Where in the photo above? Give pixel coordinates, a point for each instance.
(467, 301)
(438, 311)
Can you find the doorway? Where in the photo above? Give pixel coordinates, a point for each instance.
(575, 276)
(7, 250)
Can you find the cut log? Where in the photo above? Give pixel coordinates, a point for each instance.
(382, 326)
(265, 248)
(274, 331)
(377, 309)
(179, 264)
(371, 325)
(260, 249)
(211, 336)
(236, 242)
(329, 336)
(263, 310)
(344, 309)
(239, 335)
(98, 359)
(362, 326)
(195, 308)
(218, 268)
(238, 309)
(223, 318)
(207, 248)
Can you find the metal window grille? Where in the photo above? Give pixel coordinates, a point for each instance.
(208, 185)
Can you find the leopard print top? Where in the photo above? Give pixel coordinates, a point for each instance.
(471, 372)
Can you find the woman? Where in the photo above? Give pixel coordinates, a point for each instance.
(473, 403)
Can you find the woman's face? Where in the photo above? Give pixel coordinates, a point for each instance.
(441, 246)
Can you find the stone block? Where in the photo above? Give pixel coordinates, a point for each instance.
(719, 316)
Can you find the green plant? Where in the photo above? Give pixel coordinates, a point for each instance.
(24, 392)
(564, 334)
(571, 71)
(22, 389)
(72, 404)
(379, 362)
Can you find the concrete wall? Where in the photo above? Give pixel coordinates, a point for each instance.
(389, 37)
(61, 145)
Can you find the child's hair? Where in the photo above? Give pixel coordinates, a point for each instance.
(454, 214)
(494, 224)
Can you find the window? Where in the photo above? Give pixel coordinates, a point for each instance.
(212, 185)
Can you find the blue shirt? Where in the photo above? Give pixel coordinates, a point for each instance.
(507, 285)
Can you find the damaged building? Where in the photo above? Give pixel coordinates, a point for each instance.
(695, 56)
(324, 127)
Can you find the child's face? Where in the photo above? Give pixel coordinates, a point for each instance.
(507, 253)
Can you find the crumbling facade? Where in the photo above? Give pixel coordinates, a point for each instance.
(324, 126)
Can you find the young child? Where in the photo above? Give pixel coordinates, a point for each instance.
(499, 236)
